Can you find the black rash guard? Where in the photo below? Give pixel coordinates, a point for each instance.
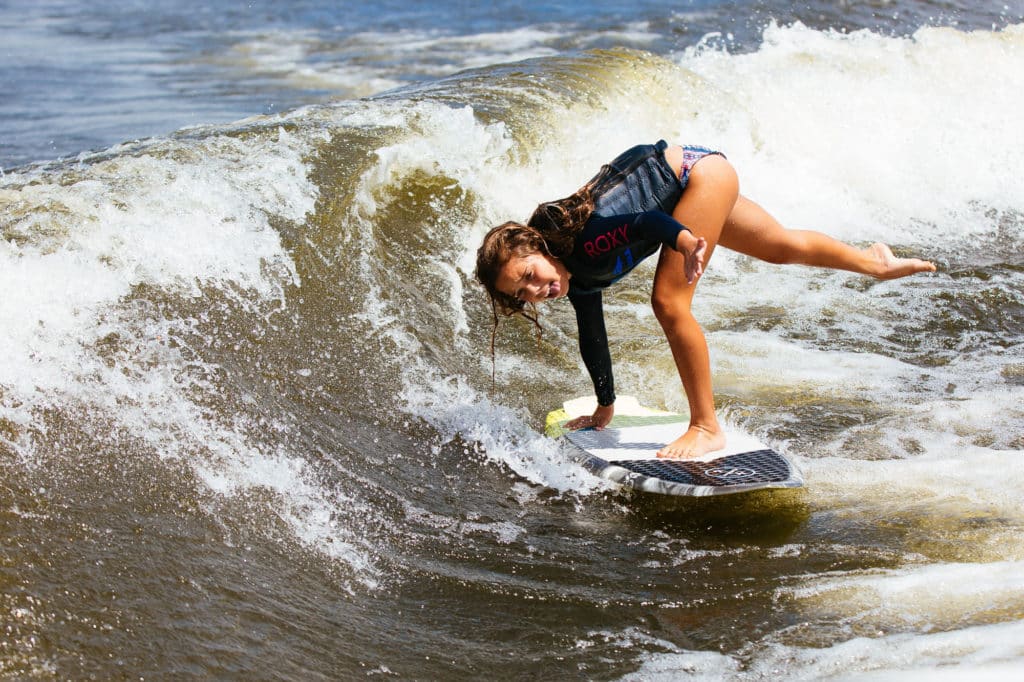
(631, 221)
(607, 249)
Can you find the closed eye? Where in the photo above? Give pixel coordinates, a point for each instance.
(527, 277)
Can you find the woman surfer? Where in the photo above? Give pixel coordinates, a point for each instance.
(685, 198)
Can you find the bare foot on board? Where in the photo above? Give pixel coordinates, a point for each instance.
(891, 267)
(696, 442)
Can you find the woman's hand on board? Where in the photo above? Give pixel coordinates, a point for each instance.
(601, 418)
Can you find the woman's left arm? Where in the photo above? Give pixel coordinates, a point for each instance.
(666, 229)
(694, 249)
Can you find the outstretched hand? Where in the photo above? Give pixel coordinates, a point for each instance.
(601, 418)
(694, 249)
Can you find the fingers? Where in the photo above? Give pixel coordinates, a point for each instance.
(695, 268)
(601, 417)
(583, 423)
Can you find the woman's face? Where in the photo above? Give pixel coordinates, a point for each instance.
(533, 278)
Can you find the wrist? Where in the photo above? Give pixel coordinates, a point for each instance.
(685, 241)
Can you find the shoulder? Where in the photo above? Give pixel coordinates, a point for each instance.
(600, 223)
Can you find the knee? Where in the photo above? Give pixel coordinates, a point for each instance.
(670, 310)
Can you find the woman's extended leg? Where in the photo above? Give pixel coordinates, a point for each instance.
(752, 231)
(708, 201)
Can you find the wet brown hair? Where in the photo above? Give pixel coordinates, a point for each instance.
(551, 231)
(502, 244)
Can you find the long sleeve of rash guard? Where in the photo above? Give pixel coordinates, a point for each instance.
(594, 344)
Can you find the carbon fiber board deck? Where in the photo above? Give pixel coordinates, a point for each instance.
(626, 452)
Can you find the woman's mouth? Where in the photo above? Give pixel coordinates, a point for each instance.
(553, 289)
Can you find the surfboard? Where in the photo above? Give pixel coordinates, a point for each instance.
(625, 452)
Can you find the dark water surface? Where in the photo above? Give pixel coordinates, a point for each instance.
(83, 76)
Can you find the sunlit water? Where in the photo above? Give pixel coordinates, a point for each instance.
(247, 424)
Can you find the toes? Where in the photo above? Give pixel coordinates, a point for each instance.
(674, 453)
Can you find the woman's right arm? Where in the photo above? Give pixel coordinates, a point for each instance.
(593, 340)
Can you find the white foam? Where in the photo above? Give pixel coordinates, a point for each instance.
(864, 136)
(950, 480)
(870, 133)
(940, 596)
(766, 362)
(180, 219)
(456, 410)
(78, 247)
(984, 652)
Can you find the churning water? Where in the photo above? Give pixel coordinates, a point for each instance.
(247, 424)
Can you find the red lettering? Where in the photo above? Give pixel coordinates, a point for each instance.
(607, 241)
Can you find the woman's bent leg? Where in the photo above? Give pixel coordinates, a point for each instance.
(707, 202)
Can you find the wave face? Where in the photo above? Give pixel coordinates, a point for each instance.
(247, 420)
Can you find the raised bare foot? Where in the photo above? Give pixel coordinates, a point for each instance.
(696, 442)
(891, 267)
